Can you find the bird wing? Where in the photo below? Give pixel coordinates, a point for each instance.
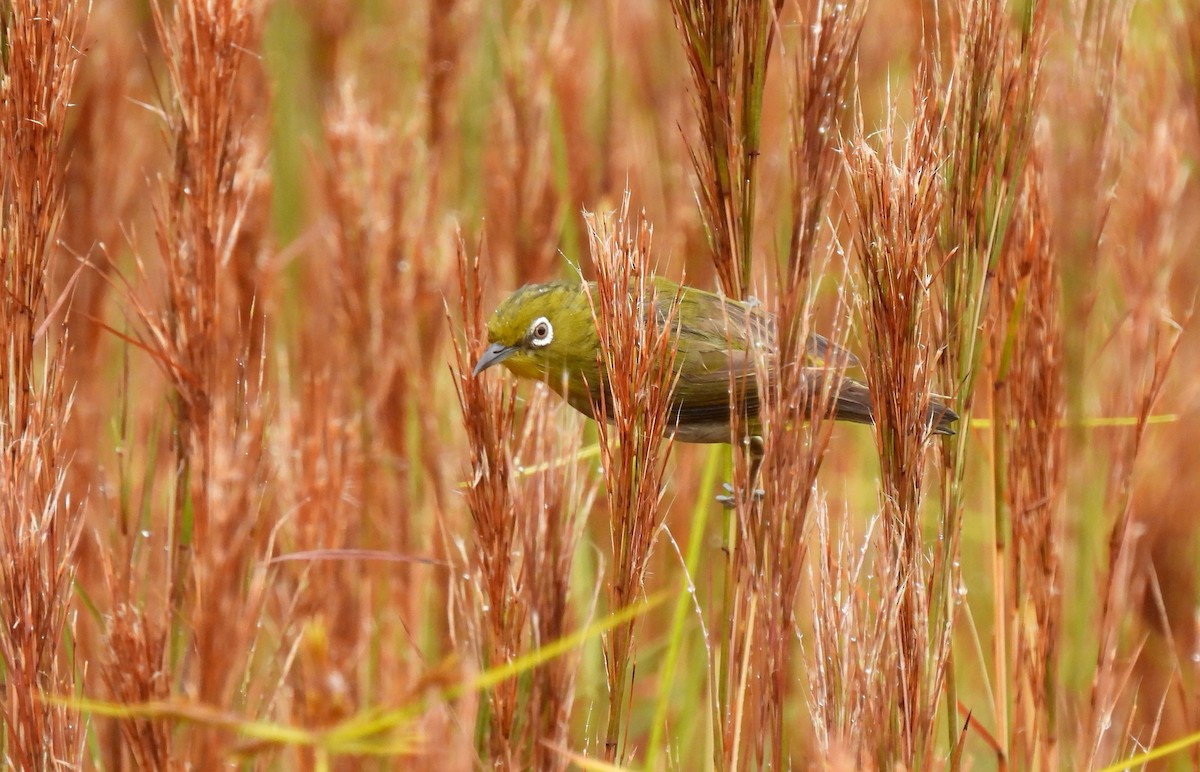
(822, 352)
(712, 356)
(714, 353)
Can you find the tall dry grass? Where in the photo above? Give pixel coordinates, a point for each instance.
(40, 521)
(636, 331)
(257, 510)
(1031, 391)
(526, 507)
(898, 202)
(728, 47)
(768, 538)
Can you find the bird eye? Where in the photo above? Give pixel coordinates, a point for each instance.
(540, 332)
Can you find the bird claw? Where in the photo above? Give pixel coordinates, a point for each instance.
(729, 498)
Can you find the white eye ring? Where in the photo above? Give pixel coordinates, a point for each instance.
(541, 332)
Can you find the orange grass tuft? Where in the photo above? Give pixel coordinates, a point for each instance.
(636, 356)
(40, 522)
(515, 597)
(898, 202)
(728, 47)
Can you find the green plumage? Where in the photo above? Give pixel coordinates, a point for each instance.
(546, 332)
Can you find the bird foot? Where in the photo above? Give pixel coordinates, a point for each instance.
(729, 498)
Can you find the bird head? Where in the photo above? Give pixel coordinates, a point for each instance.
(542, 330)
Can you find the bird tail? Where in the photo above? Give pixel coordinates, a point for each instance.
(941, 417)
(854, 404)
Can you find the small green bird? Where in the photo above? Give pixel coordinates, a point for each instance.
(546, 332)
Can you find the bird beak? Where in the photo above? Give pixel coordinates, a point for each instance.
(495, 354)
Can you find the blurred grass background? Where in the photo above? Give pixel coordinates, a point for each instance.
(250, 539)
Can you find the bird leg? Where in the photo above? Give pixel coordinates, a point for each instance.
(755, 449)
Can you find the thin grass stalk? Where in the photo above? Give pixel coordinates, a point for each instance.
(40, 523)
(1089, 111)
(898, 203)
(384, 248)
(728, 47)
(38, 70)
(1080, 173)
(493, 606)
(528, 514)
(555, 501)
(821, 80)
(1147, 338)
(772, 531)
(686, 602)
(317, 462)
(769, 545)
(1084, 157)
(133, 659)
(204, 338)
(102, 196)
(133, 672)
(188, 221)
(1163, 107)
(636, 357)
(853, 618)
(1088, 155)
(991, 107)
(327, 443)
(40, 527)
(1031, 390)
(1110, 679)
